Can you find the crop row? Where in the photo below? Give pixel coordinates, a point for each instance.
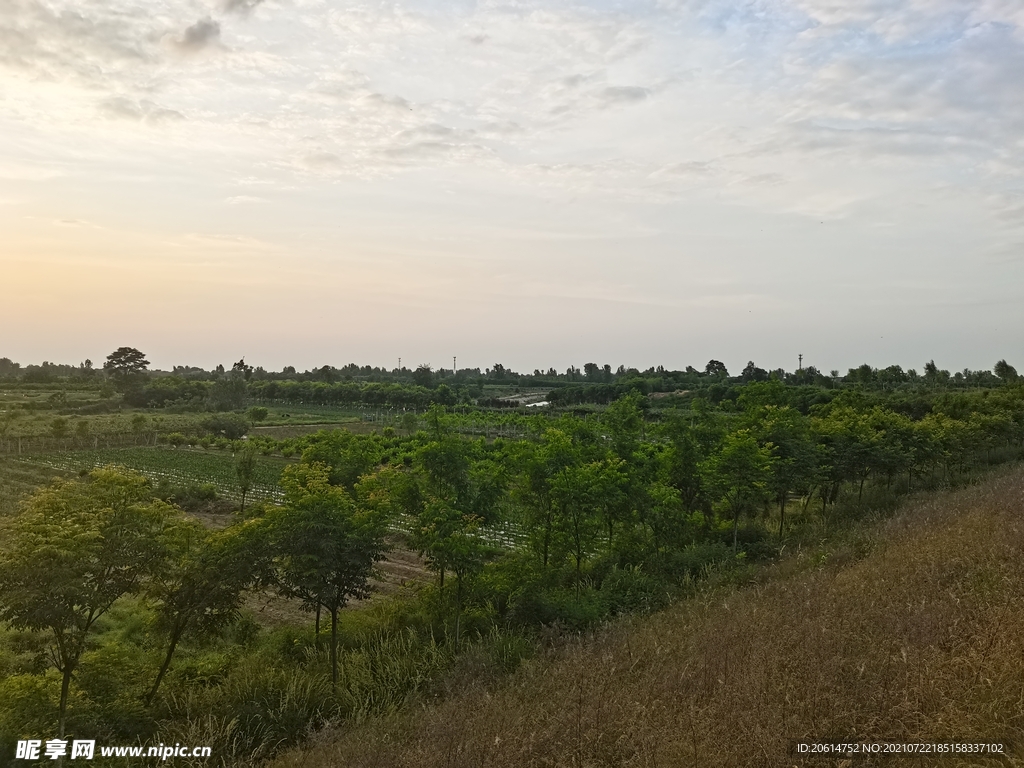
(181, 467)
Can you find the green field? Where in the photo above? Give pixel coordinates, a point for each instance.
(179, 466)
(20, 478)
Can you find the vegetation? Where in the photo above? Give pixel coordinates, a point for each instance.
(625, 494)
(910, 630)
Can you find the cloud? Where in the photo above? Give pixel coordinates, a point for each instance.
(124, 108)
(53, 42)
(242, 7)
(205, 33)
(623, 94)
(76, 223)
(732, 95)
(321, 161)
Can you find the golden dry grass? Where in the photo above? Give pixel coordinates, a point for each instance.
(919, 636)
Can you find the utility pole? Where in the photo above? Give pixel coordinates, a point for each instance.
(801, 358)
(399, 365)
(454, 369)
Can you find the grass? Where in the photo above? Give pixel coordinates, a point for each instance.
(908, 629)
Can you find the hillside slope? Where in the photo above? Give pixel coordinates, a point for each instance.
(921, 638)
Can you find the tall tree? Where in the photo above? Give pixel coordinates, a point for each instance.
(245, 471)
(740, 472)
(1005, 371)
(324, 545)
(716, 368)
(447, 538)
(577, 492)
(126, 365)
(795, 461)
(74, 550)
(201, 586)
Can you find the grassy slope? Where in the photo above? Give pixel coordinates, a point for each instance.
(910, 630)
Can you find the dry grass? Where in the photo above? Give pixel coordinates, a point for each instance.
(917, 636)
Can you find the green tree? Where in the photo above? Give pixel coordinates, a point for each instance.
(228, 392)
(795, 460)
(82, 432)
(126, 366)
(347, 455)
(139, 426)
(229, 425)
(448, 539)
(257, 413)
(577, 495)
(59, 429)
(324, 546)
(74, 550)
(245, 472)
(740, 473)
(423, 375)
(201, 587)
(540, 465)
(409, 422)
(1005, 371)
(716, 368)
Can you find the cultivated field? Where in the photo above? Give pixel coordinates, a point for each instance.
(180, 466)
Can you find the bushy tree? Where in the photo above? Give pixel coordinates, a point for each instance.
(201, 585)
(1005, 371)
(126, 367)
(75, 549)
(740, 473)
(324, 545)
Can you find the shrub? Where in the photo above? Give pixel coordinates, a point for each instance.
(229, 425)
(630, 590)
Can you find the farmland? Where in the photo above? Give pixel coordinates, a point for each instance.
(179, 466)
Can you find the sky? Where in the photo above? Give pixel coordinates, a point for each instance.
(540, 184)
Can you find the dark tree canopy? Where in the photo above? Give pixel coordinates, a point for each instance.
(125, 364)
(1005, 371)
(716, 368)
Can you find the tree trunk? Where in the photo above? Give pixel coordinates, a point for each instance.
(547, 536)
(578, 558)
(735, 529)
(782, 515)
(807, 499)
(164, 667)
(334, 647)
(458, 608)
(65, 687)
(317, 624)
